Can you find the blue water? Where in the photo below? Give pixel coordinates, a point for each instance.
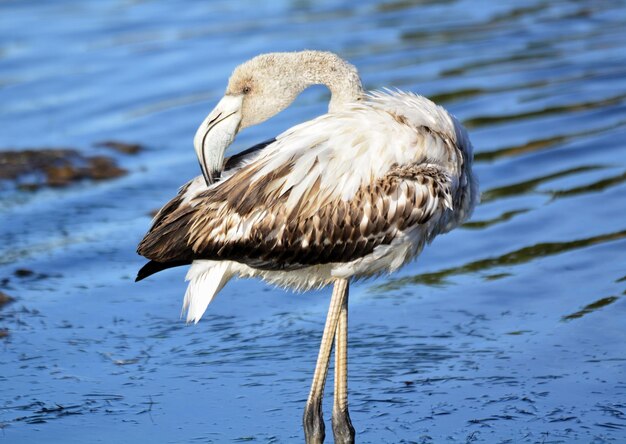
(510, 329)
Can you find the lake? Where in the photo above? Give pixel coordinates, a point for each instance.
(510, 329)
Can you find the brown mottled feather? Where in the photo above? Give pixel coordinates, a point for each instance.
(287, 238)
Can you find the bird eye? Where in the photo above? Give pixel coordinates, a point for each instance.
(246, 89)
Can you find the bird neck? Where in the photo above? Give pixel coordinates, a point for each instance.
(339, 76)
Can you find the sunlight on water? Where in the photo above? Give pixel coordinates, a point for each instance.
(508, 329)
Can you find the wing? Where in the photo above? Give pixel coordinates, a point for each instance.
(326, 191)
(257, 221)
(231, 164)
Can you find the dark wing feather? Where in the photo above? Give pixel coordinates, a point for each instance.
(236, 160)
(170, 211)
(153, 267)
(249, 223)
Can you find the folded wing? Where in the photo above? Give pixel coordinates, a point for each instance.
(258, 221)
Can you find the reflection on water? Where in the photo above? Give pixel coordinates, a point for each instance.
(530, 185)
(490, 120)
(516, 257)
(600, 303)
(539, 144)
(509, 329)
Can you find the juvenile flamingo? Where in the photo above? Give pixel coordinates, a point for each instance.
(351, 194)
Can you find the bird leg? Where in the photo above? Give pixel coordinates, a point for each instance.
(342, 426)
(313, 420)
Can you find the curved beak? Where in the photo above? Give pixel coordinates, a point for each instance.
(215, 134)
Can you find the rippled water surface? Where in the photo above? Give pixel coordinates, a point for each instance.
(510, 329)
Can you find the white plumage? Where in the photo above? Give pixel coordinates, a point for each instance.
(206, 279)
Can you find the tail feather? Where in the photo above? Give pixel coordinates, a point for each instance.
(206, 279)
(153, 267)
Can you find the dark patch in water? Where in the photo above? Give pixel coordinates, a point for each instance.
(477, 122)
(41, 412)
(518, 332)
(530, 185)
(539, 144)
(32, 169)
(30, 275)
(594, 187)
(5, 299)
(121, 147)
(506, 216)
(600, 303)
(23, 272)
(517, 257)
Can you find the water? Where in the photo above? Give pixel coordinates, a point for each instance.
(510, 329)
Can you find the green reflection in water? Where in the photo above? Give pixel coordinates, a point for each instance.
(510, 58)
(600, 303)
(496, 276)
(527, 186)
(518, 332)
(506, 216)
(407, 4)
(594, 187)
(447, 97)
(540, 144)
(461, 33)
(517, 257)
(477, 122)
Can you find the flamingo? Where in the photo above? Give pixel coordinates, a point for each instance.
(348, 195)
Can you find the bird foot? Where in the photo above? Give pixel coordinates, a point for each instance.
(313, 421)
(342, 428)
